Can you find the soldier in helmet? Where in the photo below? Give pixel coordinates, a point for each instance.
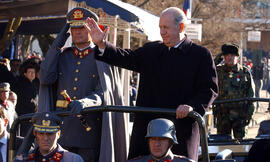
(161, 137)
(234, 81)
(47, 132)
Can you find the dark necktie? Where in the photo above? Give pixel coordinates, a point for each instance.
(1, 157)
(173, 50)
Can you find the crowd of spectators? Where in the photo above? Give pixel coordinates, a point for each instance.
(23, 79)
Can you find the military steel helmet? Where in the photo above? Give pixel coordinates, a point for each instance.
(46, 122)
(77, 16)
(230, 49)
(161, 128)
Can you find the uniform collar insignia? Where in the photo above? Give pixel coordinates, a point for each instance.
(81, 53)
(55, 155)
(168, 158)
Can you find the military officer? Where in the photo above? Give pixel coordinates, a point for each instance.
(161, 136)
(75, 70)
(234, 81)
(47, 132)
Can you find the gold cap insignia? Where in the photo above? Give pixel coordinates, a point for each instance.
(78, 14)
(46, 123)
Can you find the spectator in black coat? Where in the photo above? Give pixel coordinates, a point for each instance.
(27, 94)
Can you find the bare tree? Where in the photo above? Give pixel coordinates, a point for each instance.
(218, 18)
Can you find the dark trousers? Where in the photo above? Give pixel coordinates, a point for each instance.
(187, 134)
(258, 87)
(88, 155)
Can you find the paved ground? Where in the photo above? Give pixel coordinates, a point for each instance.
(258, 116)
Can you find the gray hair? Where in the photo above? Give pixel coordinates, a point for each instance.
(179, 15)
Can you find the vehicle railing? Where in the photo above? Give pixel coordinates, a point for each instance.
(127, 109)
(253, 99)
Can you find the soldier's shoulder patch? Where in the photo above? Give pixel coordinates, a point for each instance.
(183, 158)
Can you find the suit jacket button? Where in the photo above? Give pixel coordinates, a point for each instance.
(76, 79)
(74, 88)
(79, 62)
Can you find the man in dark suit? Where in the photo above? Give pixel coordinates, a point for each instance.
(175, 73)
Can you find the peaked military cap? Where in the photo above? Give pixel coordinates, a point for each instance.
(4, 86)
(46, 122)
(230, 49)
(77, 16)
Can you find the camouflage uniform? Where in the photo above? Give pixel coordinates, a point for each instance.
(234, 82)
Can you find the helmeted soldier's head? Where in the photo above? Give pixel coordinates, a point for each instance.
(230, 53)
(46, 131)
(161, 136)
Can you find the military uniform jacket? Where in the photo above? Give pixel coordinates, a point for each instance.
(79, 77)
(235, 82)
(170, 158)
(91, 81)
(59, 155)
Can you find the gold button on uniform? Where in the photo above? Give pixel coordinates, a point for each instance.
(75, 79)
(77, 70)
(79, 63)
(94, 75)
(81, 56)
(74, 88)
(74, 98)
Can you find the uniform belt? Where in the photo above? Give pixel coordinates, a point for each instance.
(62, 103)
